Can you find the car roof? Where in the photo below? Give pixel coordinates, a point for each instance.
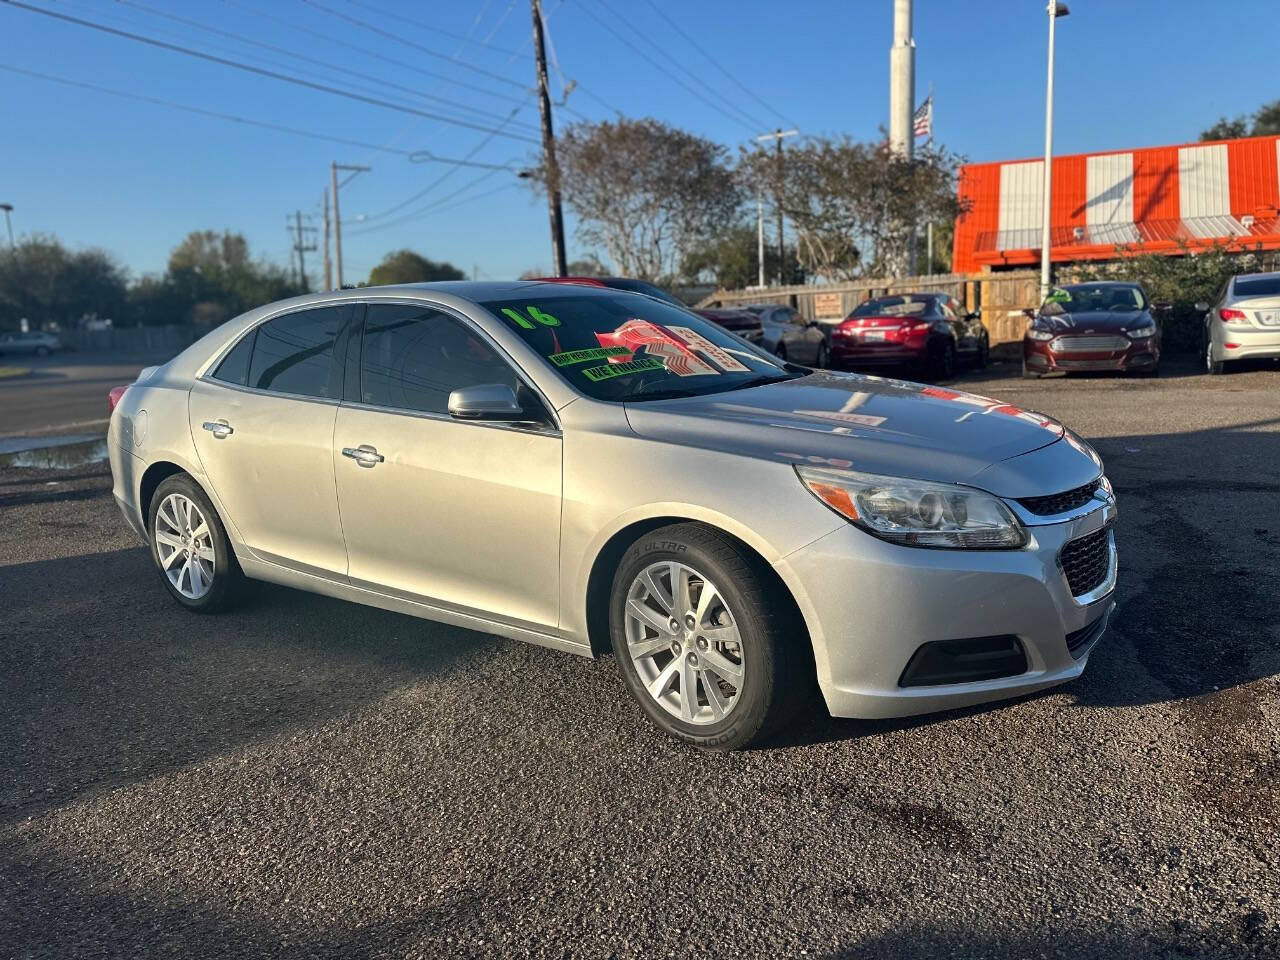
(1099, 283)
(476, 290)
(1273, 275)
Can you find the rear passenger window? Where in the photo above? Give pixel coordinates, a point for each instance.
(294, 353)
(413, 357)
(234, 367)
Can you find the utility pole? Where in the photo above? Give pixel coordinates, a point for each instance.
(328, 265)
(337, 219)
(303, 242)
(902, 104)
(777, 136)
(552, 170)
(760, 236)
(8, 209)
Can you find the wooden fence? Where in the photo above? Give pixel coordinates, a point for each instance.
(999, 297)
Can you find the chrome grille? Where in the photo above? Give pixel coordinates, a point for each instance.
(1089, 344)
(1060, 502)
(1085, 562)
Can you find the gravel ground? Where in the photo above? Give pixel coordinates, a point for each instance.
(307, 778)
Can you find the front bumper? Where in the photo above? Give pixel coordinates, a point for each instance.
(1139, 355)
(871, 605)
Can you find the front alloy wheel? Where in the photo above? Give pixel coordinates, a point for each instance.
(684, 643)
(706, 639)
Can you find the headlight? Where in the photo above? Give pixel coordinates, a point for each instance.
(917, 513)
(1146, 330)
(1036, 334)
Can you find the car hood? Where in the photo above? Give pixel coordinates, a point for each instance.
(1095, 321)
(877, 425)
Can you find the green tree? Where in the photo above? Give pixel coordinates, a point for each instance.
(1265, 122)
(405, 266)
(731, 260)
(644, 191)
(44, 282)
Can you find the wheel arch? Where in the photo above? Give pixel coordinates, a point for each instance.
(607, 558)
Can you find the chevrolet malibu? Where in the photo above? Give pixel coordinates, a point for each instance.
(594, 470)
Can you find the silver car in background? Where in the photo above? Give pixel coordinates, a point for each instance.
(594, 470)
(789, 336)
(35, 343)
(1245, 322)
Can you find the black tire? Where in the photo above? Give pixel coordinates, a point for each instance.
(944, 361)
(229, 582)
(42, 351)
(824, 357)
(1028, 373)
(778, 666)
(984, 353)
(780, 351)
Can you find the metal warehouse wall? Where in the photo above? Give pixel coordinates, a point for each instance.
(1153, 199)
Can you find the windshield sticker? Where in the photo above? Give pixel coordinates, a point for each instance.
(1058, 296)
(657, 342)
(720, 357)
(546, 319)
(861, 419)
(623, 369)
(570, 357)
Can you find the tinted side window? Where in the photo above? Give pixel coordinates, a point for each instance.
(294, 353)
(234, 367)
(413, 357)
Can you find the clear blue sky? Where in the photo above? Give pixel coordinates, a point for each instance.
(134, 178)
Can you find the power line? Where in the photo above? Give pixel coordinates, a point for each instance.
(415, 156)
(434, 205)
(682, 68)
(306, 59)
(297, 81)
(715, 62)
(391, 15)
(648, 59)
(409, 43)
(382, 57)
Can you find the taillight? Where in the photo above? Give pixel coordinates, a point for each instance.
(113, 398)
(1227, 315)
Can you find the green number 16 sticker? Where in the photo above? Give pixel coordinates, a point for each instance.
(546, 319)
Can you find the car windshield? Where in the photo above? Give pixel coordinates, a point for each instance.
(1090, 298)
(1258, 286)
(896, 305)
(622, 347)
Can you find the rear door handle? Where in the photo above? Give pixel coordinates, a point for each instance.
(364, 455)
(219, 428)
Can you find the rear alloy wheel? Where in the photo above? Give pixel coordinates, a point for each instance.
(190, 547)
(1212, 367)
(702, 639)
(944, 363)
(824, 357)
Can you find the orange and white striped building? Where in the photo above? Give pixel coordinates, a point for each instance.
(1149, 200)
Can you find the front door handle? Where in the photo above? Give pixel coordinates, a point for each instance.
(364, 455)
(219, 428)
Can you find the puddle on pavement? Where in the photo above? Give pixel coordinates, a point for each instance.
(52, 453)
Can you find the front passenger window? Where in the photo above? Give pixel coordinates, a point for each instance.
(413, 357)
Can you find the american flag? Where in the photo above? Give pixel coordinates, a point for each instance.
(923, 119)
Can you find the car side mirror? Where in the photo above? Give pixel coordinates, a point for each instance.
(485, 401)
(1202, 307)
(1029, 314)
(973, 315)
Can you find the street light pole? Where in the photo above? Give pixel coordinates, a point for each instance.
(1055, 10)
(8, 209)
(552, 170)
(777, 137)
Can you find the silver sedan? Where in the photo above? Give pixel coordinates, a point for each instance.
(593, 470)
(1245, 322)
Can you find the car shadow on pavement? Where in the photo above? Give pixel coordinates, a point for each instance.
(104, 681)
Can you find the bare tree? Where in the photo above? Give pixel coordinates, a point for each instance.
(645, 192)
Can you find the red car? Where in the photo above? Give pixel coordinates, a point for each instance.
(929, 332)
(1106, 325)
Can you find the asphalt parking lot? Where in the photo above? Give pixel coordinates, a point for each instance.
(307, 778)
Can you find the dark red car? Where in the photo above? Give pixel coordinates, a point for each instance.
(742, 322)
(926, 332)
(1093, 326)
